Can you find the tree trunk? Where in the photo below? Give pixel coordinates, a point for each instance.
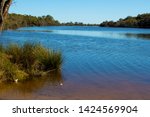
(1, 22)
(1, 25)
(4, 7)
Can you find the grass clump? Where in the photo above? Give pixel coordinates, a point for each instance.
(26, 61)
(49, 59)
(1, 48)
(10, 71)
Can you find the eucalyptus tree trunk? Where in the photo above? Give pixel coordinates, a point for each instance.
(4, 7)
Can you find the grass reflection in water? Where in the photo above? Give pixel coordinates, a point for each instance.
(34, 84)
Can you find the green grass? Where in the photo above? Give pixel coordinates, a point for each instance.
(49, 59)
(1, 48)
(27, 61)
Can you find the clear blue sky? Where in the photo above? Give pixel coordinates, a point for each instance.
(87, 11)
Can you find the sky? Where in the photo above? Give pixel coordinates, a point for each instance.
(86, 11)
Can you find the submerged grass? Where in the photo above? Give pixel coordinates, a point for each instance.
(29, 60)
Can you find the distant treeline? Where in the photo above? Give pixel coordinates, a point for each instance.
(14, 21)
(77, 24)
(140, 21)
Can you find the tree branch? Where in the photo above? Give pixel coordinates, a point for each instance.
(1, 10)
(2, 5)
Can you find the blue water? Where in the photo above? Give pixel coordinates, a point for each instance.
(106, 63)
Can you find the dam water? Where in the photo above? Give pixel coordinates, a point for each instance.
(98, 63)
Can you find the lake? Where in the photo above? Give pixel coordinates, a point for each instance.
(98, 63)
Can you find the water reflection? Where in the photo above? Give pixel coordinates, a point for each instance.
(141, 36)
(105, 34)
(22, 88)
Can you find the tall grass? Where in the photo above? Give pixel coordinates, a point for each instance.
(15, 53)
(10, 71)
(49, 59)
(1, 48)
(22, 62)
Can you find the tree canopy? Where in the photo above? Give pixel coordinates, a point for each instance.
(140, 21)
(14, 21)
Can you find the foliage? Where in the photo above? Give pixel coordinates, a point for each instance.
(26, 61)
(14, 21)
(141, 21)
(77, 24)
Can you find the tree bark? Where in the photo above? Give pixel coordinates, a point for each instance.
(4, 7)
